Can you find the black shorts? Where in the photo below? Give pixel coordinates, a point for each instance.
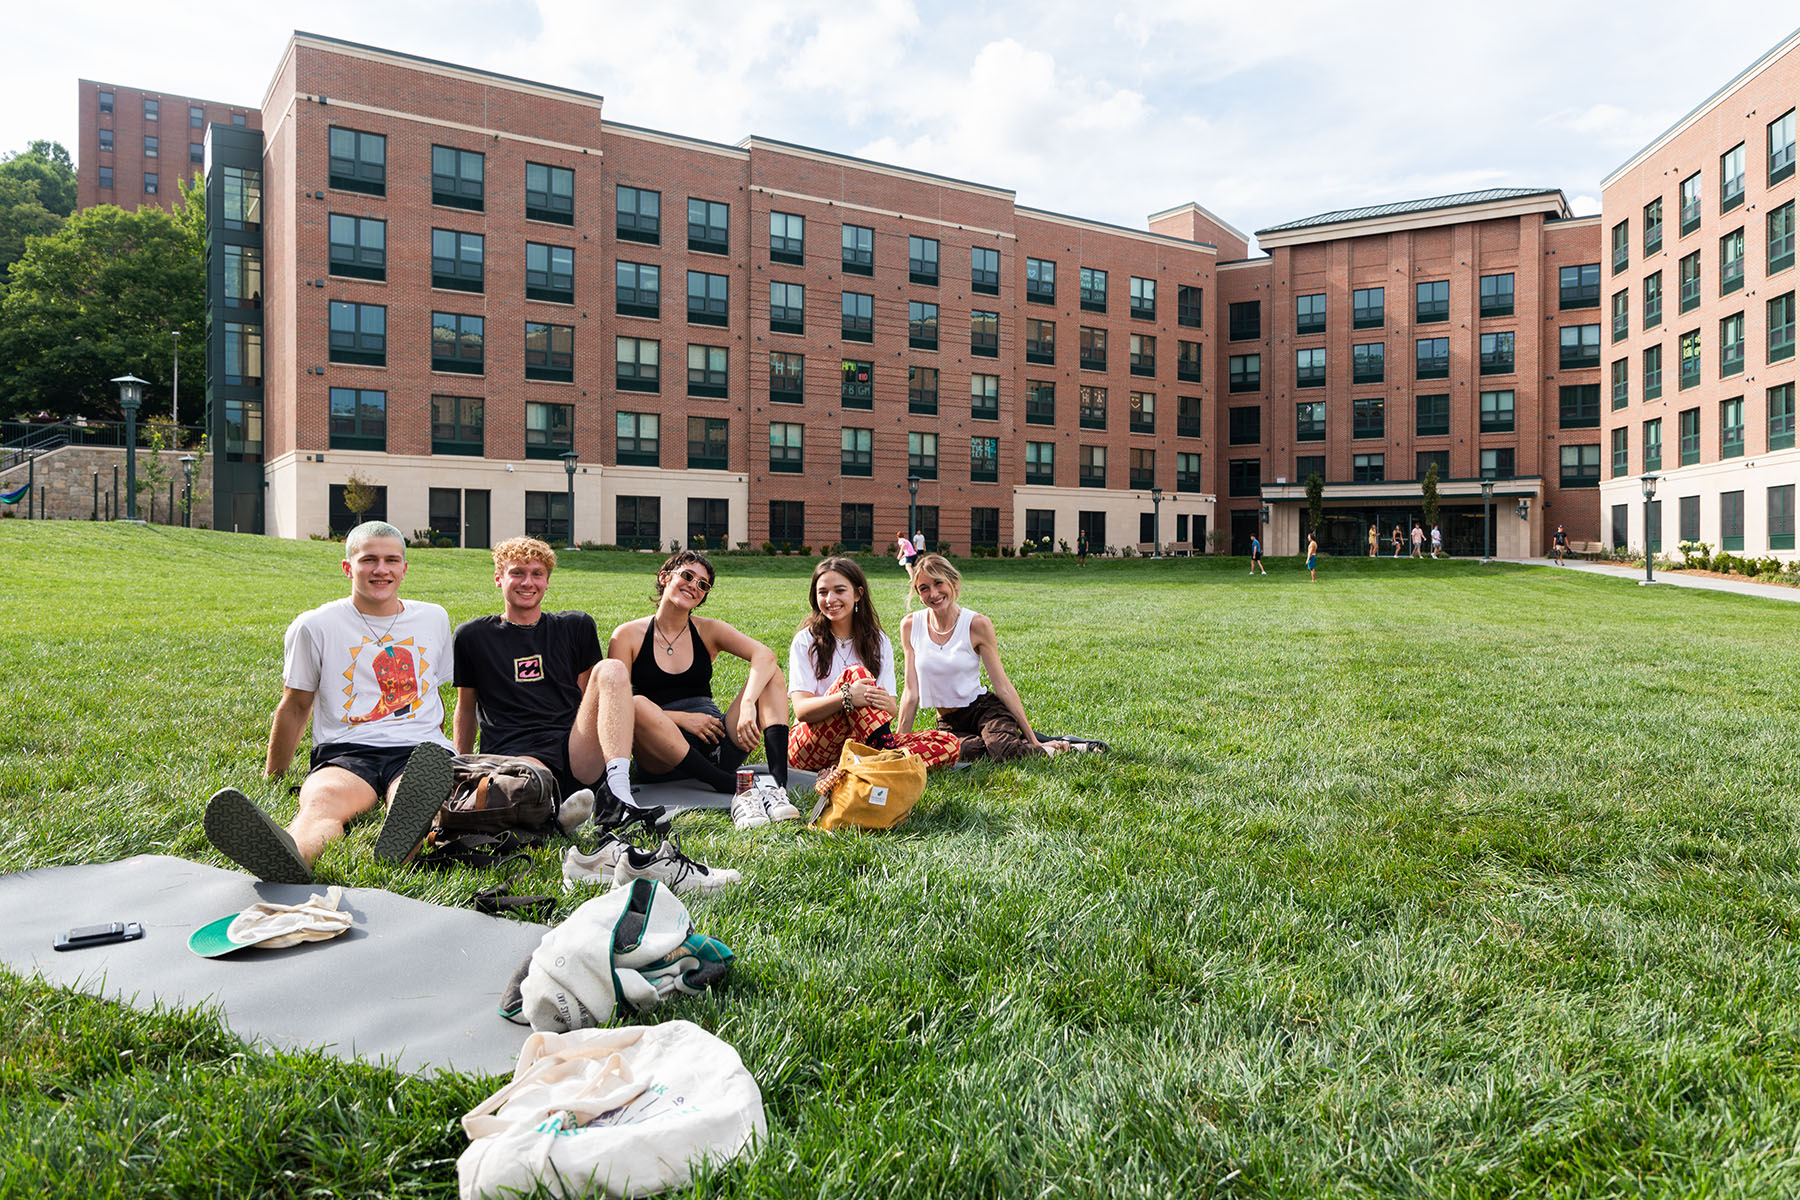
(724, 753)
(377, 766)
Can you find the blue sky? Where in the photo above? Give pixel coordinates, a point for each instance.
(1262, 113)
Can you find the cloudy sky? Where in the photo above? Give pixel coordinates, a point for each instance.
(1262, 112)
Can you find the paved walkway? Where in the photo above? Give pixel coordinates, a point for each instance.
(1743, 587)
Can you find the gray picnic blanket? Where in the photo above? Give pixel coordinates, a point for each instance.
(684, 795)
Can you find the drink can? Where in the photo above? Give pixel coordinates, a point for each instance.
(745, 779)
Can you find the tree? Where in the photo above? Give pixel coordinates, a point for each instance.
(101, 297)
(1430, 501)
(1315, 500)
(37, 194)
(359, 495)
(152, 475)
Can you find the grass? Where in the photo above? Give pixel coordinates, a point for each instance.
(1429, 878)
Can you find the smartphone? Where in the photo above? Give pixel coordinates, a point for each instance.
(98, 935)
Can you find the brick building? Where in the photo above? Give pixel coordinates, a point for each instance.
(133, 146)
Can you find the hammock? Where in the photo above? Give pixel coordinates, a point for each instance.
(16, 495)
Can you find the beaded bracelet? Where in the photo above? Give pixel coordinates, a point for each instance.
(847, 705)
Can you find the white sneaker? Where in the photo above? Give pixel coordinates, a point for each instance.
(673, 869)
(592, 870)
(747, 810)
(777, 804)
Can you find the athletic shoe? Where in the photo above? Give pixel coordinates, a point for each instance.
(242, 832)
(424, 786)
(668, 866)
(592, 870)
(621, 817)
(576, 808)
(775, 800)
(748, 810)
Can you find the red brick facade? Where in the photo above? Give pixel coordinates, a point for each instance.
(106, 110)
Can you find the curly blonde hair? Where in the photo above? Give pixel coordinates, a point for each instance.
(523, 550)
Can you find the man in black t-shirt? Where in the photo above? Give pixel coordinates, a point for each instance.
(1559, 544)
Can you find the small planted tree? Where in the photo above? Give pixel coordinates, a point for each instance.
(1315, 501)
(152, 474)
(1430, 492)
(359, 496)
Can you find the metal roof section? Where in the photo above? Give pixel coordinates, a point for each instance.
(1489, 204)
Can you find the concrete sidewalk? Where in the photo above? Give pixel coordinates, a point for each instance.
(1743, 587)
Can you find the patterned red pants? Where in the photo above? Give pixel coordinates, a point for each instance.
(815, 747)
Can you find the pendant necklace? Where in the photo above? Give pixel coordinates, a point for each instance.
(669, 646)
(383, 635)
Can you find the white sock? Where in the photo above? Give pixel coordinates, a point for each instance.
(618, 778)
(576, 808)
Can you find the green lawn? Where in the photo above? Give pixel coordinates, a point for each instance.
(1426, 878)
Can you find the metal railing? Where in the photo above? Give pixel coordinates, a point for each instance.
(20, 440)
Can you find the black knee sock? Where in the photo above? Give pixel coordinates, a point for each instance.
(883, 738)
(698, 766)
(775, 745)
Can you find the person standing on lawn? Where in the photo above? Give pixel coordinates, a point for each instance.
(906, 554)
(1399, 541)
(1437, 540)
(1374, 539)
(1418, 541)
(1256, 562)
(1312, 557)
(1559, 544)
(1081, 548)
(365, 671)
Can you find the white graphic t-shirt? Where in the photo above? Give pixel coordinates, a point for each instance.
(374, 679)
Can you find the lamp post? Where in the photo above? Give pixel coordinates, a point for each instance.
(1649, 556)
(569, 460)
(912, 487)
(187, 491)
(1487, 501)
(1155, 522)
(175, 387)
(131, 394)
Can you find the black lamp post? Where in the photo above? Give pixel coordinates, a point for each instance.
(175, 387)
(1649, 556)
(1156, 522)
(912, 487)
(569, 460)
(131, 394)
(187, 490)
(1487, 501)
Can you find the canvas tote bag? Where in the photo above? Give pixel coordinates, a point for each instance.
(868, 789)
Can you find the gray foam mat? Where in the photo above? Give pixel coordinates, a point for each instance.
(685, 795)
(412, 985)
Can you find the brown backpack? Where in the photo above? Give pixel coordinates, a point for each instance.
(496, 794)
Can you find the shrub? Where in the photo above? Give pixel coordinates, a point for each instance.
(806, 550)
(768, 547)
(443, 543)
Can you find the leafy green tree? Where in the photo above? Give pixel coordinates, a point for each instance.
(1430, 501)
(37, 194)
(1315, 500)
(102, 297)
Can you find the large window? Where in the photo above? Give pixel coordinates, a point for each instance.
(1497, 353)
(708, 371)
(1433, 302)
(1579, 286)
(708, 443)
(787, 238)
(858, 451)
(1367, 417)
(638, 441)
(637, 364)
(1309, 313)
(787, 378)
(1621, 246)
(1497, 463)
(857, 388)
(549, 429)
(639, 522)
(1368, 468)
(1688, 275)
(637, 289)
(1653, 444)
(1731, 520)
(1497, 412)
(1040, 402)
(1731, 345)
(1040, 463)
(1781, 327)
(1689, 425)
(550, 194)
(1093, 407)
(1187, 472)
(358, 419)
(1143, 354)
(243, 354)
(984, 397)
(1653, 226)
(984, 334)
(458, 177)
(709, 522)
(1621, 314)
(787, 447)
(338, 515)
(856, 526)
(1245, 373)
(708, 298)
(1731, 262)
(1690, 359)
(1731, 178)
(639, 216)
(787, 523)
(1143, 298)
(922, 260)
(1424, 460)
(1092, 461)
(1309, 367)
(1040, 281)
(984, 271)
(358, 161)
(1781, 147)
(787, 307)
(243, 276)
(1781, 417)
(456, 260)
(1244, 476)
(549, 273)
(1580, 346)
(922, 455)
(1781, 238)
(1093, 348)
(244, 430)
(1040, 341)
(984, 459)
(1368, 308)
(1653, 304)
(1432, 414)
(1246, 320)
(921, 325)
(1244, 425)
(358, 248)
(708, 226)
(922, 390)
(1190, 306)
(1731, 427)
(1621, 382)
(1653, 379)
(1579, 406)
(1141, 471)
(1581, 466)
(1368, 362)
(1621, 453)
(1187, 361)
(858, 324)
(1690, 204)
(984, 528)
(549, 352)
(1432, 358)
(1143, 412)
(458, 343)
(358, 333)
(1781, 517)
(859, 250)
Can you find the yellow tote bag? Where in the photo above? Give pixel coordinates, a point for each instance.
(868, 789)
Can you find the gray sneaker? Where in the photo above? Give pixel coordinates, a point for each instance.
(242, 832)
(668, 866)
(424, 786)
(592, 870)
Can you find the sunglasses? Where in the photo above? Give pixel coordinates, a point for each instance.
(699, 581)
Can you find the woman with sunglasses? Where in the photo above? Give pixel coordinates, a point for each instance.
(678, 730)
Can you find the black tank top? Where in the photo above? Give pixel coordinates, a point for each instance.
(649, 680)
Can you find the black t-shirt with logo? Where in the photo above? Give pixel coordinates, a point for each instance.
(527, 681)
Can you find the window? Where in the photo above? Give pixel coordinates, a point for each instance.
(708, 522)
(859, 250)
(858, 324)
(1093, 407)
(1581, 466)
(1040, 281)
(457, 177)
(787, 523)
(358, 333)
(239, 120)
(1689, 425)
(1781, 238)
(984, 397)
(984, 334)
(549, 429)
(1731, 520)
(1653, 444)
(1781, 147)
(1141, 471)
(1189, 306)
(151, 147)
(1040, 402)
(1092, 461)
(1187, 361)
(456, 425)
(1367, 418)
(1580, 346)
(1143, 354)
(106, 139)
(1368, 308)
(1040, 341)
(1621, 521)
(984, 528)
(151, 183)
(637, 289)
(1731, 178)
(1187, 417)
(1688, 272)
(1690, 204)
(1245, 425)
(1040, 463)
(984, 459)
(1653, 226)
(1579, 406)
(1781, 517)
(708, 371)
(1432, 359)
(1690, 359)
(1621, 246)
(358, 161)
(152, 109)
(857, 526)
(1309, 367)
(1731, 427)
(1731, 345)
(243, 276)
(1621, 453)
(1245, 373)
(787, 307)
(1187, 472)
(106, 178)
(1621, 383)
(638, 440)
(1368, 362)
(709, 226)
(787, 378)
(708, 443)
(1621, 314)
(243, 200)
(1688, 517)
(922, 260)
(922, 390)
(1368, 468)
(1781, 327)
(550, 273)
(787, 447)
(639, 522)
(787, 238)
(921, 455)
(1781, 417)
(921, 325)
(1246, 320)
(549, 352)
(550, 194)
(1433, 302)
(243, 355)
(1497, 412)
(457, 343)
(358, 248)
(1244, 476)
(457, 260)
(338, 515)
(637, 364)
(1424, 460)
(1093, 348)
(106, 102)
(1497, 464)
(708, 298)
(984, 271)
(1143, 412)
(244, 430)
(639, 216)
(858, 387)
(1653, 300)
(858, 455)
(1431, 414)
(1309, 313)
(1579, 287)
(1143, 298)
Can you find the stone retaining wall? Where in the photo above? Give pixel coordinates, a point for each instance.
(65, 485)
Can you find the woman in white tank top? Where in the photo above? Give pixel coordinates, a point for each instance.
(947, 646)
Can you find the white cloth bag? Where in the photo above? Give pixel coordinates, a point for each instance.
(614, 1112)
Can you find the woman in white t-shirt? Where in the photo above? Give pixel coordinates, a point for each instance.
(841, 677)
